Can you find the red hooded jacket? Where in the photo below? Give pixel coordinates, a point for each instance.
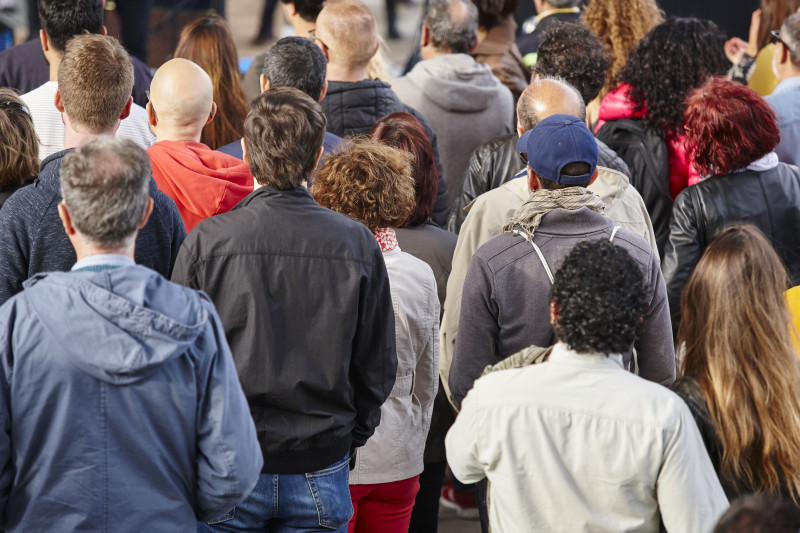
(201, 181)
(682, 171)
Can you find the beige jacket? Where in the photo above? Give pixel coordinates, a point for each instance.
(485, 219)
(395, 451)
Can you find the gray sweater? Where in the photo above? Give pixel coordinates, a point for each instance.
(505, 305)
(465, 104)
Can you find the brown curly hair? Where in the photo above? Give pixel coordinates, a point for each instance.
(367, 181)
(621, 24)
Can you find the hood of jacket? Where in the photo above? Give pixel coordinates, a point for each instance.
(117, 339)
(455, 82)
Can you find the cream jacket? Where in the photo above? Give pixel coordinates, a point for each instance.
(580, 444)
(489, 212)
(395, 451)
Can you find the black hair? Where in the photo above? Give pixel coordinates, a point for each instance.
(673, 58)
(578, 168)
(600, 296)
(296, 62)
(62, 20)
(492, 12)
(760, 513)
(572, 52)
(307, 9)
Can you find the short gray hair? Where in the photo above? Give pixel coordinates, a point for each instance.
(454, 33)
(790, 36)
(104, 184)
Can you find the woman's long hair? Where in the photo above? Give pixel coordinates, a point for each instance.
(621, 24)
(737, 333)
(773, 13)
(208, 42)
(19, 156)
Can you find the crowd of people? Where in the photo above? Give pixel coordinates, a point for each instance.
(546, 279)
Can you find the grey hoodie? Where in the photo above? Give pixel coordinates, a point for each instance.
(120, 406)
(465, 104)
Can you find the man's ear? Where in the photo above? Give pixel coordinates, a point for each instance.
(520, 131)
(244, 152)
(264, 82)
(66, 221)
(594, 176)
(58, 102)
(533, 182)
(148, 210)
(293, 8)
(474, 46)
(319, 156)
(213, 112)
(44, 40)
(103, 31)
(554, 311)
(377, 47)
(425, 39)
(127, 110)
(324, 91)
(151, 115)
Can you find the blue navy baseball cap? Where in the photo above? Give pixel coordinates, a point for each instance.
(557, 141)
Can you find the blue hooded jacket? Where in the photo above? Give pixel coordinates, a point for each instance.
(120, 407)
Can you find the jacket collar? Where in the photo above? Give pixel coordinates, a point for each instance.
(789, 84)
(564, 355)
(265, 193)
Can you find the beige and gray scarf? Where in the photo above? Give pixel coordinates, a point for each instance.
(540, 202)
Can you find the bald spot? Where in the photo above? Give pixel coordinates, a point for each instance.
(348, 29)
(543, 98)
(181, 94)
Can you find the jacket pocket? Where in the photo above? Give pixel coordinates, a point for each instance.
(330, 489)
(224, 518)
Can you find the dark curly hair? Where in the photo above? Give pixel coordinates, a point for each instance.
(600, 297)
(367, 181)
(674, 58)
(572, 52)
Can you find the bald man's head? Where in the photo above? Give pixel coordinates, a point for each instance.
(349, 33)
(181, 98)
(545, 97)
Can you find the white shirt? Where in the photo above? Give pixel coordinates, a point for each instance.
(50, 127)
(579, 444)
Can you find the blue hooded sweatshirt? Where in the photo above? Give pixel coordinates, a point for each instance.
(120, 407)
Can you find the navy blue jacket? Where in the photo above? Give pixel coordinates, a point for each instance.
(32, 238)
(120, 409)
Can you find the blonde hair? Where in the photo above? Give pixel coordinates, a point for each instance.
(368, 181)
(621, 24)
(737, 333)
(349, 31)
(95, 79)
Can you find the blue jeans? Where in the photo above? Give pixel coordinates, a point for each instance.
(315, 502)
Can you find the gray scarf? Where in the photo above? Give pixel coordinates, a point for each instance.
(539, 203)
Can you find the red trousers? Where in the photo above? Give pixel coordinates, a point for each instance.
(383, 507)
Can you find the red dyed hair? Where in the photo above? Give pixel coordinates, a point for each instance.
(728, 126)
(403, 131)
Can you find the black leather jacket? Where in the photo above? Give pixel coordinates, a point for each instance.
(497, 161)
(768, 199)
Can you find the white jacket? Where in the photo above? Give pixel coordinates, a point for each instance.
(580, 444)
(395, 451)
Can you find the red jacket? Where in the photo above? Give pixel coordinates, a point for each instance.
(682, 171)
(203, 182)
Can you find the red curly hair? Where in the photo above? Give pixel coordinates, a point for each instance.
(367, 181)
(728, 126)
(403, 131)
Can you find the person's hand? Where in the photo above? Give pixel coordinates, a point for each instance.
(752, 42)
(735, 48)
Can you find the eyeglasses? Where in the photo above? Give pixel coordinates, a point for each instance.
(775, 37)
(524, 157)
(313, 36)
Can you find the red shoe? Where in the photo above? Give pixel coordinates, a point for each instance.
(463, 503)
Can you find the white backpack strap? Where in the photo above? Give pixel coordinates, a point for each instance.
(613, 233)
(538, 252)
(544, 262)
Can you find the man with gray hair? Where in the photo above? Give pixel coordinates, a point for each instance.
(465, 104)
(785, 99)
(119, 398)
